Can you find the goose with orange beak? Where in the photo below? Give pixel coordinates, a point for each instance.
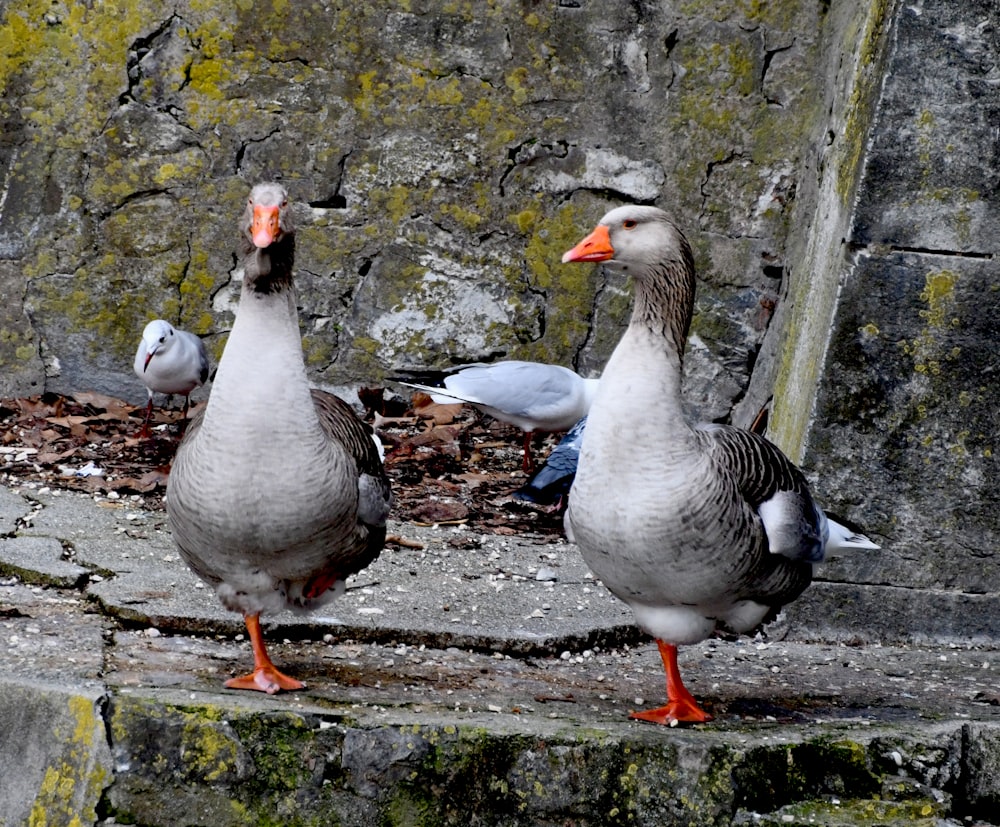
(695, 526)
(277, 493)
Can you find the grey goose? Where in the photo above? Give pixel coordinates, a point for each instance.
(277, 493)
(693, 526)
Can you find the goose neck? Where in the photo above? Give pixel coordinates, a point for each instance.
(664, 303)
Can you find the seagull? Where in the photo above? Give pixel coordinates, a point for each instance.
(277, 493)
(694, 526)
(550, 484)
(169, 361)
(533, 396)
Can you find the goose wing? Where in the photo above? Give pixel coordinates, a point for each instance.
(773, 486)
(341, 423)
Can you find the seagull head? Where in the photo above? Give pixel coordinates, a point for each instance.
(157, 337)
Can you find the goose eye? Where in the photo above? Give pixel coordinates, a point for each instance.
(629, 223)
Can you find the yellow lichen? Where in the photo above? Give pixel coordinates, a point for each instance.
(72, 784)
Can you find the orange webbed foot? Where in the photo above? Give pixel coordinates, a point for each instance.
(265, 679)
(674, 713)
(681, 706)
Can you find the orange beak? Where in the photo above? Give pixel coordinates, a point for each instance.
(595, 247)
(265, 225)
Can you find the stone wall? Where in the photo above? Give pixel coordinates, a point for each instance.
(832, 163)
(906, 421)
(443, 156)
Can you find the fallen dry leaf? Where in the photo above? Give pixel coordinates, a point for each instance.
(432, 512)
(113, 408)
(455, 467)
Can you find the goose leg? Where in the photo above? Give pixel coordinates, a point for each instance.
(265, 676)
(681, 706)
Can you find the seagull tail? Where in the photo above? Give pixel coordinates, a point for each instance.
(845, 537)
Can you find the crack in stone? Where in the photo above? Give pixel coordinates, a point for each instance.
(876, 249)
(137, 50)
(710, 168)
(768, 57)
(336, 200)
(246, 144)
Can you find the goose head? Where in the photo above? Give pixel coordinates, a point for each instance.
(634, 239)
(645, 243)
(157, 337)
(267, 219)
(268, 238)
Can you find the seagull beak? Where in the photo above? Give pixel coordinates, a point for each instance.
(149, 355)
(265, 225)
(595, 247)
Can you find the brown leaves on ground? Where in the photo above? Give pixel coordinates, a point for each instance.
(449, 465)
(88, 442)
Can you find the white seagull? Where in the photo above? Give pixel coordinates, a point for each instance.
(694, 526)
(169, 361)
(533, 396)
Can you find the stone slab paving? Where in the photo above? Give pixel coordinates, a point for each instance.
(505, 647)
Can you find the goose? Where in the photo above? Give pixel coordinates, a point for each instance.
(277, 493)
(532, 396)
(169, 361)
(693, 526)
